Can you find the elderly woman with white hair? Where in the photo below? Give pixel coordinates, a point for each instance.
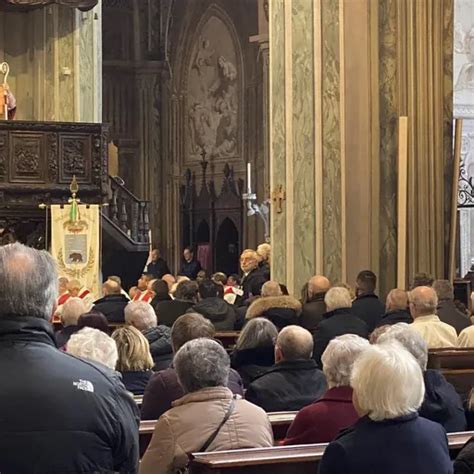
(321, 421)
(442, 403)
(93, 344)
(207, 417)
(390, 437)
(72, 309)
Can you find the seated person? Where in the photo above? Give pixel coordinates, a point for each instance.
(322, 421)
(464, 463)
(134, 358)
(397, 310)
(337, 321)
(313, 303)
(423, 304)
(207, 417)
(184, 298)
(113, 303)
(281, 310)
(390, 437)
(72, 310)
(95, 345)
(294, 381)
(141, 316)
(254, 351)
(161, 291)
(466, 338)
(441, 403)
(143, 293)
(95, 320)
(164, 388)
(213, 307)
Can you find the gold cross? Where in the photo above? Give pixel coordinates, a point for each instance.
(278, 196)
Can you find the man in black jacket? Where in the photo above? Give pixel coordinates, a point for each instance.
(59, 413)
(113, 303)
(397, 308)
(294, 381)
(157, 267)
(185, 297)
(337, 321)
(190, 267)
(367, 305)
(253, 277)
(315, 307)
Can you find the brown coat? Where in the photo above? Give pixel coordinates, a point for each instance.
(192, 420)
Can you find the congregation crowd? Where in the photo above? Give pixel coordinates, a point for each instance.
(353, 367)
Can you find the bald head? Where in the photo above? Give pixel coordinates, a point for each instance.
(317, 285)
(111, 287)
(293, 343)
(271, 288)
(397, 300)
(423, 301)
(170, 280)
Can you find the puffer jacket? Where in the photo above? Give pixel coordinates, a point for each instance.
(193, 419)
(159, 339)
(59, 413)
(218, 311)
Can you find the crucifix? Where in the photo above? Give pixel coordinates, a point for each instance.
(278, 196)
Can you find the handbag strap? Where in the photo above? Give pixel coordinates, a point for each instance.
(216, 432)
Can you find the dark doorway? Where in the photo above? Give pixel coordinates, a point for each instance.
(227, 248)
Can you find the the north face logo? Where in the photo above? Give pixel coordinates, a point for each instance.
(84, 385)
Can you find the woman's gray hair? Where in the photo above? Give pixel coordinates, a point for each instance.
(339, 357)
(71, 311)
(90, 343)
(202, 363)
(409, 339)
(258, 332)
(28, 282)
(387, 382)
(141, 315)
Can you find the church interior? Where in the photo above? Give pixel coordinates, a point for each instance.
(237, 235)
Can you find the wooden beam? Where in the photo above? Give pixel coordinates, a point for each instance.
(454, 199)
(402, 194)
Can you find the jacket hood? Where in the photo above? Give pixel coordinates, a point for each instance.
(159, 339)
(205, 395)
(216, 309)
(263, 304)
(26, 328)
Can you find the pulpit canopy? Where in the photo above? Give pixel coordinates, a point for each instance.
(25, 5)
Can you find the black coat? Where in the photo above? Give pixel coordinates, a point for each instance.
(159, 339)
(59, 413)
(218, 311)
(190, 269)
(464, 463)
(449, 314)
(396, 316)
(406, 445)
(313, 312)
(250, 363)
(442, 403)
(112, 307)
(63, 336)
(168, 312)
(336, 323)
(158, 269)
(287, 386)
(368, 308)
(253, 282)
(136, 381)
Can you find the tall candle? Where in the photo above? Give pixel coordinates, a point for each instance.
(249, 178)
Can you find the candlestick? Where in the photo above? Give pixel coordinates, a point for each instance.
(249, 178)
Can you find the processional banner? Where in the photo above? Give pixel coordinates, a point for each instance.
(75, 243)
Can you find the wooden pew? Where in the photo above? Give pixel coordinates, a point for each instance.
(301, 459)
(280, 422)
(457, 365)
(228, 338)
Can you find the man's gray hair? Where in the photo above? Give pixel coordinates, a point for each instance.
(339, 357)
(295, 343)
(337, 297)
(71, 311)
(202, 363)
(141, 315)
(444, 289)
(95, 345)
(411, 340)
(28, 282)
(271, 288)
(258, 332)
